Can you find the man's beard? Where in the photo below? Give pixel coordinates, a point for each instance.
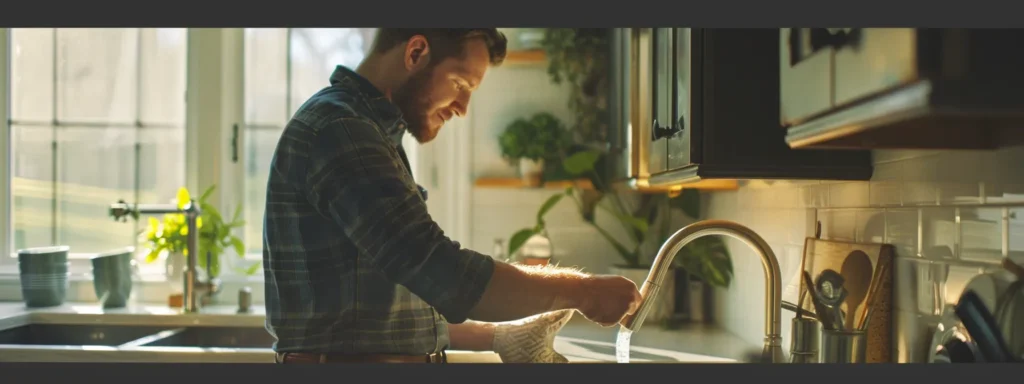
(414, 103)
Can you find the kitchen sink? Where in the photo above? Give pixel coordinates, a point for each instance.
(214, 337)
(75, 334)
(143, 334)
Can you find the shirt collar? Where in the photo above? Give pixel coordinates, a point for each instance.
(385, 112)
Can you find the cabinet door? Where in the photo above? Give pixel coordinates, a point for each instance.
(619, 164)
(872, 60)
(662, 54)
(681, 151)
(805, 74)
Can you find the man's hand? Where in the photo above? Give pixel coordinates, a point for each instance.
(531, 340)
(607, 299)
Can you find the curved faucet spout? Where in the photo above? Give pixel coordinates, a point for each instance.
(773, 286)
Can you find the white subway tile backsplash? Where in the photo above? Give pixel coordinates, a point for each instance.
(901, 230)
(886, 185)
(787, 197)
(870, 226)
(1008, 174)
(920, 175)
(894, 208)
(838, 224)
(939, 229)
(981, 235)
(848, 194)
(816, 196)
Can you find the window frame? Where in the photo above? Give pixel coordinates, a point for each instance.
(6, 165)
(214, 149)
(79, 261)
(212, 110)
(289, 107)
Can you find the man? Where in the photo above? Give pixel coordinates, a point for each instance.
(356, 270)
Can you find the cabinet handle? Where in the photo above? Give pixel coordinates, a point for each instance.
(822, 37)
(661, 132)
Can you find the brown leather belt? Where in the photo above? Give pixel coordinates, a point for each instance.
(329, 358)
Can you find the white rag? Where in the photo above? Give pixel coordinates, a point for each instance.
(532, 339)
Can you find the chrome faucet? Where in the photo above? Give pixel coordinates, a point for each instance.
(772, 351)
(121, 210)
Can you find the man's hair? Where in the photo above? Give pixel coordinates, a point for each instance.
(444, 42)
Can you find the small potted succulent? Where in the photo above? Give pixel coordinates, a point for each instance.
(528, 142)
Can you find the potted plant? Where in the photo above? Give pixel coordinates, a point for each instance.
(528, 142)
(170, 235)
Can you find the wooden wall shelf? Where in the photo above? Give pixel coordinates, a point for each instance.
(532, 56)
(702, 185)
(515, 182)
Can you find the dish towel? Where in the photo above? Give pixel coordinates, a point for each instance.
(532, 339)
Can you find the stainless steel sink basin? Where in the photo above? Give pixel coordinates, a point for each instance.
(75, 334)
(213, 337)
(139, 335)
(147, 335)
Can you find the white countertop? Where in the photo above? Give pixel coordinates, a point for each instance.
(580, 340)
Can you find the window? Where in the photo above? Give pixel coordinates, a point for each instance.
(96, 115)
(283, 68)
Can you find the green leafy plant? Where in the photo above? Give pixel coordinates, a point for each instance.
(542, 136)
(580, 57)
(215, 235)
(706, 258)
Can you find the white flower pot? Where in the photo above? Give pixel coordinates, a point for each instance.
(531, 171)
(175, 270)
(665, 302)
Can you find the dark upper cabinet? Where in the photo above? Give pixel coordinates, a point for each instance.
(868, 88)
(701, 104)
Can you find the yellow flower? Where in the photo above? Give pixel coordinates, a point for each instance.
(183, 198)
(153, 228)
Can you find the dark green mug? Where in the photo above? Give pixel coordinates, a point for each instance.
(44, 275)
(112, 277)
(43, 260)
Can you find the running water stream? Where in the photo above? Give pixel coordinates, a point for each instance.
(622, 345)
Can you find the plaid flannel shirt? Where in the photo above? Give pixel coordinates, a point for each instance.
(353, 262)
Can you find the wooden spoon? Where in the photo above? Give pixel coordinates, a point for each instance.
(857, 271)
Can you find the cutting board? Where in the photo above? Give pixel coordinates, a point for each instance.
(820, 255)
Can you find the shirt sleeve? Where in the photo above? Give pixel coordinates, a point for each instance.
(356, 178)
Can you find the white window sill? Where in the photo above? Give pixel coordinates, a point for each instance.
(146, 288)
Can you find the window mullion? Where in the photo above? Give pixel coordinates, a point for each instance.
(137, 182)
(6, 161)
(215, 103)
(288, 73)
(55, 194)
